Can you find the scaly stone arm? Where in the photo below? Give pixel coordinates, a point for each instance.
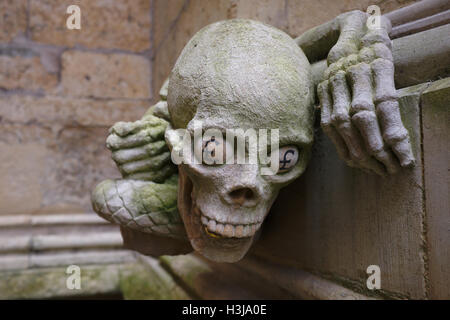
(358, 100)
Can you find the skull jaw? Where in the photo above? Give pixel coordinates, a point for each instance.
(212, 247)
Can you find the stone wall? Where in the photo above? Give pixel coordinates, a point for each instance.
(60, 90)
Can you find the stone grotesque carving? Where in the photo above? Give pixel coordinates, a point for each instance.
(245, 74)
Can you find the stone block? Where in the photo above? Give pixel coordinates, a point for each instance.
(148, 280)
(87, 74)
(306, 14)
(21, 168)
(271, 12)
(13, 20)
(436, 119)
(51, 283)
(53, 151)
(165, 14)
(22, 69)
(106, 24)
(208, 280)
(59, 111)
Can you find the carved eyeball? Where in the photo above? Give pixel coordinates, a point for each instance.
(288, 158)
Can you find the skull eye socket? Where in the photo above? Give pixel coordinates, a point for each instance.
(288, 158)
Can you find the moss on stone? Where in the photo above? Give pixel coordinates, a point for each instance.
(186, 268)
(145, 282)
(51, 282)
(156, 197)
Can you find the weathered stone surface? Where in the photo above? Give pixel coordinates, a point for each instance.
(52, 168)
(165, 14)
(86, 74)
(422, 56)
(435, 115)
(104, 24)
(139, 280)
(267, 11)
(88, 257)
(53, 150)
(195, 15)
(13, 20)
(21, 167)
(148, 280)
(208, 280)
(303, 15)
(343, 220)
(23, 69)
(301, 284)
(162, 63)
(59, 111)
(51, 283)
(14, 262)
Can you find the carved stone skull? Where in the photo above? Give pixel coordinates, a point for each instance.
(238, 74)
(245, 75)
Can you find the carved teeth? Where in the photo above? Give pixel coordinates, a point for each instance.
(212, 225)
(229, 230)
(226, 230)
(219, 228)
(246, 231)
(239, 231)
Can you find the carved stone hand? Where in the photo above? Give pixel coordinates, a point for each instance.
(358, 100)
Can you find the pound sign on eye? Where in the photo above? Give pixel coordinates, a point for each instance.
(285, 161)
(211, 150)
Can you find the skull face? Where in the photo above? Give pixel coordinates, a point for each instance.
(238, 74)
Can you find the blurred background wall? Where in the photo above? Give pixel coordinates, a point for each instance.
(60, 89)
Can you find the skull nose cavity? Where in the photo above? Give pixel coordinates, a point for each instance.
(243, 196)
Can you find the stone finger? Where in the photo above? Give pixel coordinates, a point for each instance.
(367, 124)
(158, 176)
(114, 141)
(123, 129)
(364, 116)
(383, 75)
(394, 133)
(122, 156)
(360, 78)
(326, 109)
(341, 118)
(151, 164)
